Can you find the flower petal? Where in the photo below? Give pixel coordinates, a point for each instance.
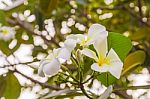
(40, 70)
(70, 44)
(79, 38)
(64, 54)
(52, 67)
(95, 67)
(101, 47)
(72, 36)
(95, 29)
(112, 56)
(116, 64)
(116, 68)
(98, 68)
(100, 36)
(104, 68)
(107, 93)
(89, 53)
(56, 52)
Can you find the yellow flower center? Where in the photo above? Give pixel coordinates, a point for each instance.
(102, 61)
(83, 41)
(5, 32)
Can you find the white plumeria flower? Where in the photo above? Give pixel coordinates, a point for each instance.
(105, 61)
(51, 64)
(96, 31)
(6, 33)
(65, 52)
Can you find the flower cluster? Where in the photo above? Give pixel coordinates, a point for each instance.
(6, 33)
(105, 60)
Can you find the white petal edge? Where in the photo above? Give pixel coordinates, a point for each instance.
(98, 68)
(52, 68)
(40, 70)
(116, 68)
(98, 36)
(112, 55)
(89, 53)
(95, 29)
(95, 67)
(106, 93)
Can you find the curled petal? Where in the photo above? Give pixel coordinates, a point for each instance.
(89, 53)
(40, 70)
(64, 54)
(52, 67)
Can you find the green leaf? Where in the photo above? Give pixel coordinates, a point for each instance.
(4, 48)
(132, 60)
(9, 87)
(121, 44)
(106, 79)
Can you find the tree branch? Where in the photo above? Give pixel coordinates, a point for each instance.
(35, 81)
(140, 8)
(18, 64)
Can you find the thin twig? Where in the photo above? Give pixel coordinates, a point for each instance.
(133, 87)
(35, 81)
(57, 93)
(84, 91)
(25, 63)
